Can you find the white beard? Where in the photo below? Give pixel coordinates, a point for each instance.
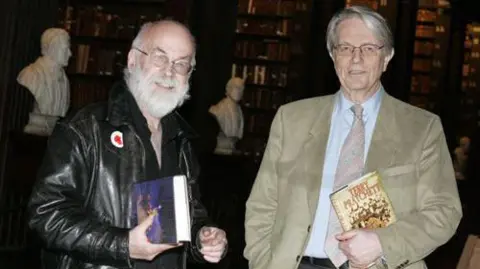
(157, 103)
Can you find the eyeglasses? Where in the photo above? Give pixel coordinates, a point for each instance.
(161, 61)
(365, 49)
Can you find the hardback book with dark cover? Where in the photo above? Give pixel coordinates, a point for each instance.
(167, 199)
(363, 204)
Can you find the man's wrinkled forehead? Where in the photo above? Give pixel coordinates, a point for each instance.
(354, 31)
(170, 37)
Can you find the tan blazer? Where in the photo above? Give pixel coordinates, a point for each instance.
(408, 148)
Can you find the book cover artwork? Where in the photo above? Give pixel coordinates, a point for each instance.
(167, 200)
(363, 204)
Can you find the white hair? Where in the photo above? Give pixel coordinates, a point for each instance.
(374, 21)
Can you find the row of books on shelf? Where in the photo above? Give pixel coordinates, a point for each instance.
(426, 15)
(264, 27)
(426, 50)
(472, 47)
(468, 116)
(467, 101)
(264, 99)
(256, 123)
(425, 31)
(423, 84)
(469, 85)
(275, 7)
(429, 31)
(373, 4)
(468, 70)
(422, 65)
(261, 74)
(425, 65)
(93, 59)
(268, 50)
(88, 92)
(440, 29)
(423, 48)
(471, 60)
(472, 37)
(474, 55)
(432, 3)
(103, 21)
(423, 102)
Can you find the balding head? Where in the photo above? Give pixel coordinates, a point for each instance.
(152, 30)
(149, 26)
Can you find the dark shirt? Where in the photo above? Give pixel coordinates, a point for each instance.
(169, 167)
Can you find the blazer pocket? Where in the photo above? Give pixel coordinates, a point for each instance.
(400, 184)
(397, 170)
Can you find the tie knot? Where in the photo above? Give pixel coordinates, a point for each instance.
(357, 110)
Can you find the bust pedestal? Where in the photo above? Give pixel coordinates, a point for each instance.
(225, 145)
(40, 124)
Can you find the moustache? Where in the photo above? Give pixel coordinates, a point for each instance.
(163, 82)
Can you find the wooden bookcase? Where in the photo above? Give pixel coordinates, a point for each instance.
(430, 54)
(269, 53)
(101, 34)
(387, 8)
(469, 114)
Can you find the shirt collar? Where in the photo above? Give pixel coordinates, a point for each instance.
(370, 107)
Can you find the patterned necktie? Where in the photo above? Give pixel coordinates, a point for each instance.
(350, 167)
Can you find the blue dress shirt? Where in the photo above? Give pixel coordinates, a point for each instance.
(341, 123)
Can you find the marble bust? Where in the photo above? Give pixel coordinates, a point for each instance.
(46, 80)
(460, 157)
(229, 117)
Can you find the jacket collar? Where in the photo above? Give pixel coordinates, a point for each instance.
(124, 110)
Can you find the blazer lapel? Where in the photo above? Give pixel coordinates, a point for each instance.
(314, 153)
(384, 144)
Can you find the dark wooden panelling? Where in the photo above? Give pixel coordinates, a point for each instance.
(213, 24)
(322, 73)
(453, 80)
(22, 24)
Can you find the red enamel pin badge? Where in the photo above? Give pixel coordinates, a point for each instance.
(117, 139)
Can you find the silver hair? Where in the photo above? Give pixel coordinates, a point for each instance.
(374, 21)
(139, 40)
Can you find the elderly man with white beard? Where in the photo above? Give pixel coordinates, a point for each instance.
(81, 201)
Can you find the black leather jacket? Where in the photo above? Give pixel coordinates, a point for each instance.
(81, 201)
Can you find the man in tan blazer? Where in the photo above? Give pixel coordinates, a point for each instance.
(287, 216)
